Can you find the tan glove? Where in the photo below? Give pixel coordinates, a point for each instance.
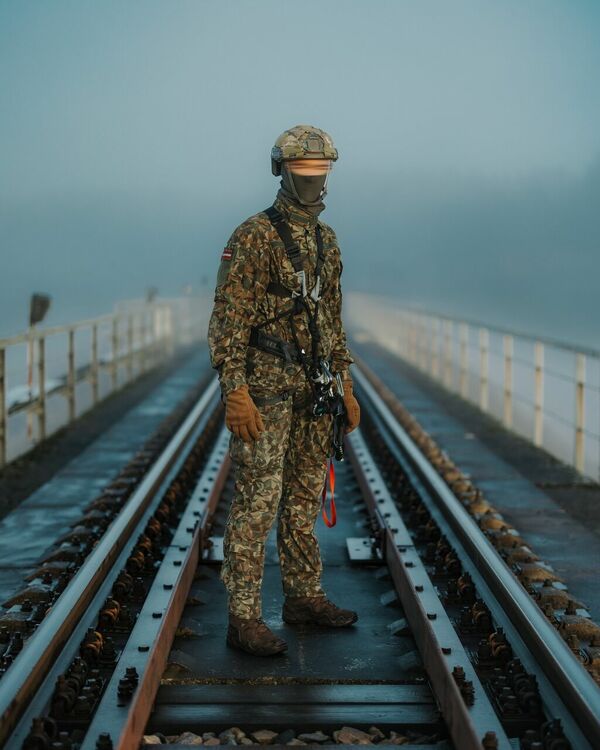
(241, 415)
(352, 407)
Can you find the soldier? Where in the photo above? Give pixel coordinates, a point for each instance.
(275, 326)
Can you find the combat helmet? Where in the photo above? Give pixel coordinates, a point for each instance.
(302, 142)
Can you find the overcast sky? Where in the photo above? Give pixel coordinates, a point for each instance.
(135, 137)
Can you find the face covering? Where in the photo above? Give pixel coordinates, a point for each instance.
(307, 190)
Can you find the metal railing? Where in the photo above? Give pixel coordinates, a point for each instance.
(544, 390)
(84, 362)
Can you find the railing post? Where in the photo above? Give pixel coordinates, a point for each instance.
(152, 330)
(417, 339)
(508, 379)
(484, 360)
(129, 347)
(413, 338)
(394, 333)
(115, 352)
(422, 343)
(71, 374)
(400, 343)
(464, 360)
(42, 388)
(538, 427)
(170, 329)
(403, 336)
(448, 332)
(143, 341)
(162, 343)
(435, 355)
(94, 369)
(580, 413)
(3, 415)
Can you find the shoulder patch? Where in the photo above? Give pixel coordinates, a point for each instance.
(227, 256)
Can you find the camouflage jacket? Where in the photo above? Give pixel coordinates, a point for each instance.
(254, 256)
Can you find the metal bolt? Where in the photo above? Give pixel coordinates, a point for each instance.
(104, 742)
(131, 674)
(125, 689)
(458, 673)
(490, 741)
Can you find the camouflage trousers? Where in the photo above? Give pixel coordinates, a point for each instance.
(281, 474)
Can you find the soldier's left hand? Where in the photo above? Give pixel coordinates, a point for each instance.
(352, 407)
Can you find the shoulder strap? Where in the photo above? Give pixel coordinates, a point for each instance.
(320, 251)
(291, 248)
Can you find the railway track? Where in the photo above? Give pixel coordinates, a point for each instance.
(449, 651)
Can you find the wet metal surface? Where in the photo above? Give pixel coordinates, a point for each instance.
(368, 674)
(310, 705)
(367, 651)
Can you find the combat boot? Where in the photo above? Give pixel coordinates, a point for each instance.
(316, 610)
(253, 636)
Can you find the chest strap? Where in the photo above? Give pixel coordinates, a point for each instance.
(292, 250)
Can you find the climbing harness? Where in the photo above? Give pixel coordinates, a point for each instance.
(327, 390)
(300, 304)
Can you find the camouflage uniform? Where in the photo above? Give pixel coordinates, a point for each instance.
(282, 472)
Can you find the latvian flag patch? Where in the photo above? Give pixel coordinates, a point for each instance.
(226, 254)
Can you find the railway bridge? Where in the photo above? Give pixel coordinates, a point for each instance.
(468, 539)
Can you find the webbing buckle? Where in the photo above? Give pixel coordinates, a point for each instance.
(302, 278)
(316, 289)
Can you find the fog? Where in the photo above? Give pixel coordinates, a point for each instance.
(135, 137)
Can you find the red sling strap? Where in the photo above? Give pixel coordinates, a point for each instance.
(331, 473)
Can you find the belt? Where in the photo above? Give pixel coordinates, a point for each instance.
(274, 345)
(299, 404)
(262, 400)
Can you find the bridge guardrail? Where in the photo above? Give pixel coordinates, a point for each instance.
(101, 354)
(545, 390)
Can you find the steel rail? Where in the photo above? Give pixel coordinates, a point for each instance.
(147, 648)
(573, 686)
(25, 675)
(40, 703)
(434, 634)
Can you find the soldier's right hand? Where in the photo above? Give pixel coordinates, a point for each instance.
(241, 415)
